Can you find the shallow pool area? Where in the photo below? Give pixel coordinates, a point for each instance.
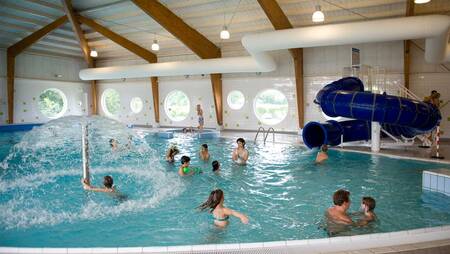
(281, 189)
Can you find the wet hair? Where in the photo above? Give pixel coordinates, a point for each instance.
(185, 159)
(108, 182)
(215, 165)
(205, 146)
(111, 141)
(340, 197)
(173, 151)
(240, 140)
(369, 202)
(213, 200)
(324, 148)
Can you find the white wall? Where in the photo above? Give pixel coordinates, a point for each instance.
(36, 73)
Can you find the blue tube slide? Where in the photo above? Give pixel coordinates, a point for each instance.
(346, 97)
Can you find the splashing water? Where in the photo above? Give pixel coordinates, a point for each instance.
(40, 177)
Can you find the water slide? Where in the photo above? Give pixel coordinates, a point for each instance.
(401, 117)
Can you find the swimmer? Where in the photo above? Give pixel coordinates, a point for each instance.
(220, 213)
(367, 206)
(130, 142)
(108, 184)
(240, 154)
(338, 213)
(322, 155)
(201, 120)
(204, 153)
(170, 155)
(184, 169)
(215, 166)
(114, 145)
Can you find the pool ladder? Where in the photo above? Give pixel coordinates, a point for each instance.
(265, 134)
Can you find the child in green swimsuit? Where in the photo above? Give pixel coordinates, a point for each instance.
(220, 213)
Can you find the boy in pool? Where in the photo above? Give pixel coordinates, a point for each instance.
(323, 154)
(240, 154)
(367, 206)
(338, 213)
(204, 153)
(215, 166)
(184, 169)
(108, 184)
(220, 213)
(114, 145)
(170, 155)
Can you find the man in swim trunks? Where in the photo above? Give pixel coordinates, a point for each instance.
(240, 154)
(338, 213)
(201, 120)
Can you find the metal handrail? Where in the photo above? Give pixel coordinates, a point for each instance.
(267, 134)
(259, 129)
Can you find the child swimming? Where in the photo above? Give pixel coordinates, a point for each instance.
(184, 169)
(367, 206)
(108, 184)
(215, 166)
(220, 213)
(113, 144)
(170, 155)
(204, 153)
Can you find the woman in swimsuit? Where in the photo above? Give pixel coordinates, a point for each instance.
(220, 213)
(240, 154)
(201, 120)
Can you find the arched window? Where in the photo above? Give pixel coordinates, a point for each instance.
(235, 99)
(270, 106)
(110, 102)
(52, 103)
(177, 105)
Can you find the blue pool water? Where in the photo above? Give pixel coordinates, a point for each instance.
(282, 191)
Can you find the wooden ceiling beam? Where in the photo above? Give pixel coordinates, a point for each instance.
(280, 21)
(17, 48)
(122, 41)
(67, 5)
(407, 46)
(194, 40)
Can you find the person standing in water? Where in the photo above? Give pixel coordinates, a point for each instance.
(108, 185)
(201, 120)
(219, 212)
(204, 153)
(322, 155)
(240, 154)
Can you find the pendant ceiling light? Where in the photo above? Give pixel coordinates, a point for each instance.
(155, 45)
(224, 34)
(93, 53)
(318, 15)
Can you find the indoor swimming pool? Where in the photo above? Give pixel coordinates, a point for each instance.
(281, 189)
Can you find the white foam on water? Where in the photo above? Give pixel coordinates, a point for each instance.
(48, 152)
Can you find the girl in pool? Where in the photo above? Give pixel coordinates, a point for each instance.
(170, 155)
(240, 154)
(220, 213)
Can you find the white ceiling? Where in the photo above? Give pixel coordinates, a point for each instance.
(19, 18)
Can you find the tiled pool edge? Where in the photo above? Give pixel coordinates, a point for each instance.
(323, 245)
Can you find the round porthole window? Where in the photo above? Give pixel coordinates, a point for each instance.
(271, 106)
(177, 106)
(136, 105)
(52, 103)
(235, 99)
(110, 102)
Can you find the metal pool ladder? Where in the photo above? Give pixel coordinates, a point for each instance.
(265, 134)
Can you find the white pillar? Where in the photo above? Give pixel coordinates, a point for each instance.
(376, 132)
(85, 151)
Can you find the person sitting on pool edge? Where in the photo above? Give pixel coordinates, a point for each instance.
(215, 166)
(184, 169)
(204, 153)
(367, 206)
(108, 184)
(338, 213)
(240, 154)
(322, 155)
(220, 213)
(170, 155)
